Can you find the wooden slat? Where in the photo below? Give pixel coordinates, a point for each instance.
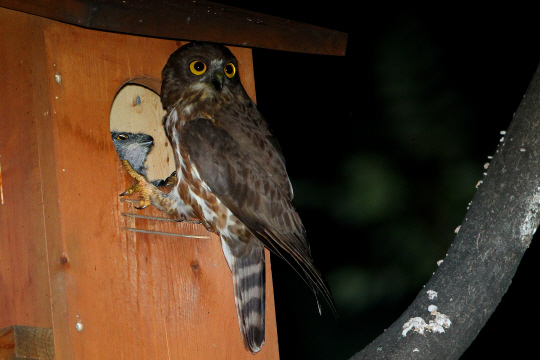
(189, 20)
(26, 342)
(24, 279)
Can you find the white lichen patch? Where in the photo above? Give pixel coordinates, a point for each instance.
(417, 324)
(431, 293)
(442, 320)
(434, 327)
(530, 223)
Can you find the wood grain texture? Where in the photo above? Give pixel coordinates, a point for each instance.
(136, 295)
(26, 342)
(189, 20)
(24, 278)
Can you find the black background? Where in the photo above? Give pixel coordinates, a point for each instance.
(384, 148)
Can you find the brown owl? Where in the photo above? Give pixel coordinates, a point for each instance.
(231, 176)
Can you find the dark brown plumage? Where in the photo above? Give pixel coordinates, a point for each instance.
(232, 177)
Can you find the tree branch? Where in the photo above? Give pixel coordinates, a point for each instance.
(485, 254)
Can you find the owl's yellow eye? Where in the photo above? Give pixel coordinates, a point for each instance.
(197, 67)
(229, 70)
(122, 137)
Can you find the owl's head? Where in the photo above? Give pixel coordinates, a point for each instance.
(199, 67)
(133, 147)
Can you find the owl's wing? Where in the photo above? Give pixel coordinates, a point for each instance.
(246, 172)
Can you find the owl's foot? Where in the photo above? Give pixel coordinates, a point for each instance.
(145, 198)
(143, 186)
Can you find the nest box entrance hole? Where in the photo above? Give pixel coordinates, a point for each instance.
(136, 109)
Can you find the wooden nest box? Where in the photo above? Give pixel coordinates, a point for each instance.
(84, 275)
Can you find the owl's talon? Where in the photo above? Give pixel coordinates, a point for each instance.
(130, 190)
(143, 186)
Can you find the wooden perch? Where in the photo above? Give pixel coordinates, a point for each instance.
(484, 256)
(26, 342)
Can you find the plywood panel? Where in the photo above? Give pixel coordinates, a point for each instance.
(137, 109)
(127, 294)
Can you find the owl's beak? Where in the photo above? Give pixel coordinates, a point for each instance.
(217, 80)
(149, 141)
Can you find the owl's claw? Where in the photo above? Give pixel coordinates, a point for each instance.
(145, 198)
(143, 186)
(130, 190)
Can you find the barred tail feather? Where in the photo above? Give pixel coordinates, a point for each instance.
(246, 261)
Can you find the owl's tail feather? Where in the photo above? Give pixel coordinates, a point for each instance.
(246, 261)
(297, 250)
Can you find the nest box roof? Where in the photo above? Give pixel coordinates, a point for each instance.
(189, 20)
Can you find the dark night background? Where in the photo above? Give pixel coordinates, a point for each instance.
(384, 148)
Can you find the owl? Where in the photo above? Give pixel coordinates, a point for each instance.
(231, 177)
(134, 148)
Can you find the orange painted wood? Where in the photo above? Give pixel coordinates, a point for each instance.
(115, 294)
(24, 273)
